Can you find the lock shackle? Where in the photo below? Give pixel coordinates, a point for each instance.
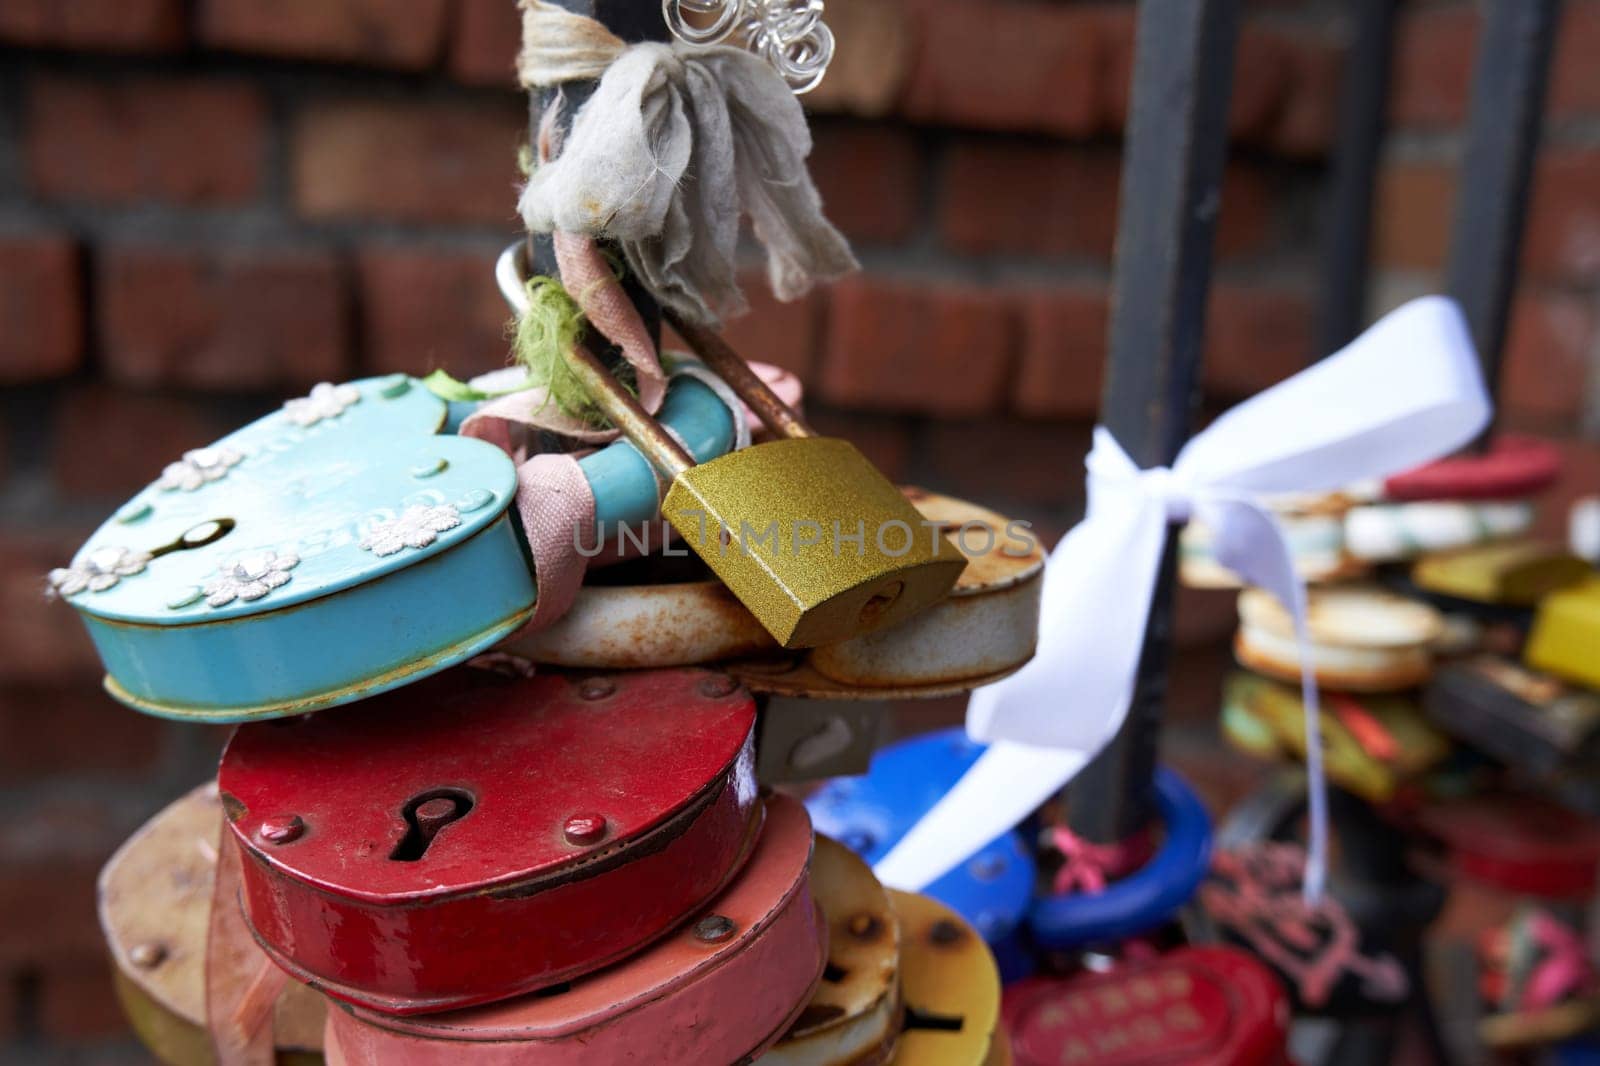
(730, 366)
(626, 413)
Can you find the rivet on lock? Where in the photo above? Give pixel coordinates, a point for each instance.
(477, 836)
(720, 988)
(808, 535)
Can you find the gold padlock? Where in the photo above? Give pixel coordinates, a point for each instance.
(807, 533)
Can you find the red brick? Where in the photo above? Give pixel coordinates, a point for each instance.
(123, 141)
(57, 900)
(422, 309)
(484, 42)
(1414, 213)
(874, 44)
(1285, 83)
(1063, 352)
(444, 163)
(151, 430)
(1023, 198)
(1575, 76)
(1005, 65)
(41, 305)
(223, 317)
(405, 34)
(784, 334)
(897, 345)
(1256, 336)
(96, 25)
(45, 642)
(885, 441)
(1435, 48)
(870, 178)
(1306, 121)
(77, 1000)
(1563, 235)
(1005, 462)
(53, 730)
(1014, 196)
(1549, 357)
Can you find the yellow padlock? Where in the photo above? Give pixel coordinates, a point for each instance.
(807, 533)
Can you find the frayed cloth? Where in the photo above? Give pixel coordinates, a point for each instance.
(676, 144)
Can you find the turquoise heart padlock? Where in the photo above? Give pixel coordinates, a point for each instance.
(334, 549)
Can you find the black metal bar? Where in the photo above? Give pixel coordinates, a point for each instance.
(632, 21)
(1171, 196)
(1508, 93)
(1363, 101)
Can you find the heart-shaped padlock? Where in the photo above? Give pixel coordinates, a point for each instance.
(1206, 1006)
(476, 836)
(719, 989)
(295, 563)
(334, 549)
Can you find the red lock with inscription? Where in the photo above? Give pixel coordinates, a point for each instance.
(1204, 1006)
(719, 989)
(476, 836)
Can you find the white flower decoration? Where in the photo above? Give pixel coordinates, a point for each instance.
(418, 527)
(199, 467)
(99, 570)
(326, 401)
(249, 578)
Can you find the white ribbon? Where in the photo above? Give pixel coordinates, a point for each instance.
(1406, 391)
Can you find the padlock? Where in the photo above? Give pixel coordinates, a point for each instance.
(951, 989)
(1533, 722)
(807, 534)
(1513, 467)
(721, 988)
(1372, 745)
(1201, 1006)
(245, 583)
(477, 836)
(668, 611)
(992, 890)
(155, 904)
(1313, 527)
(855, 1014)
(1566, 632)
(1513, 574)
(1362, 638)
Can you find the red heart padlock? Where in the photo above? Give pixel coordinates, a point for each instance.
(720, 989)
(1206, 1006)
(477, 836)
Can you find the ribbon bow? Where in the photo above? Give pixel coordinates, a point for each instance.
(1405, 392)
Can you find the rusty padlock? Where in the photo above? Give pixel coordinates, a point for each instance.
(807, 533)
(477, 836)
(155, 908)
(907, 980)
(720, 989)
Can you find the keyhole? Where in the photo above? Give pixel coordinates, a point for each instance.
(943, 1023)
(881, 601)
(426, 815)
(208, 532)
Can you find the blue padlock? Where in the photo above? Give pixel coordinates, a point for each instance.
(1144, 899)
(332, 550)
(869, 814)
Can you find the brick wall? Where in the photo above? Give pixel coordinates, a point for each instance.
(206, 204)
